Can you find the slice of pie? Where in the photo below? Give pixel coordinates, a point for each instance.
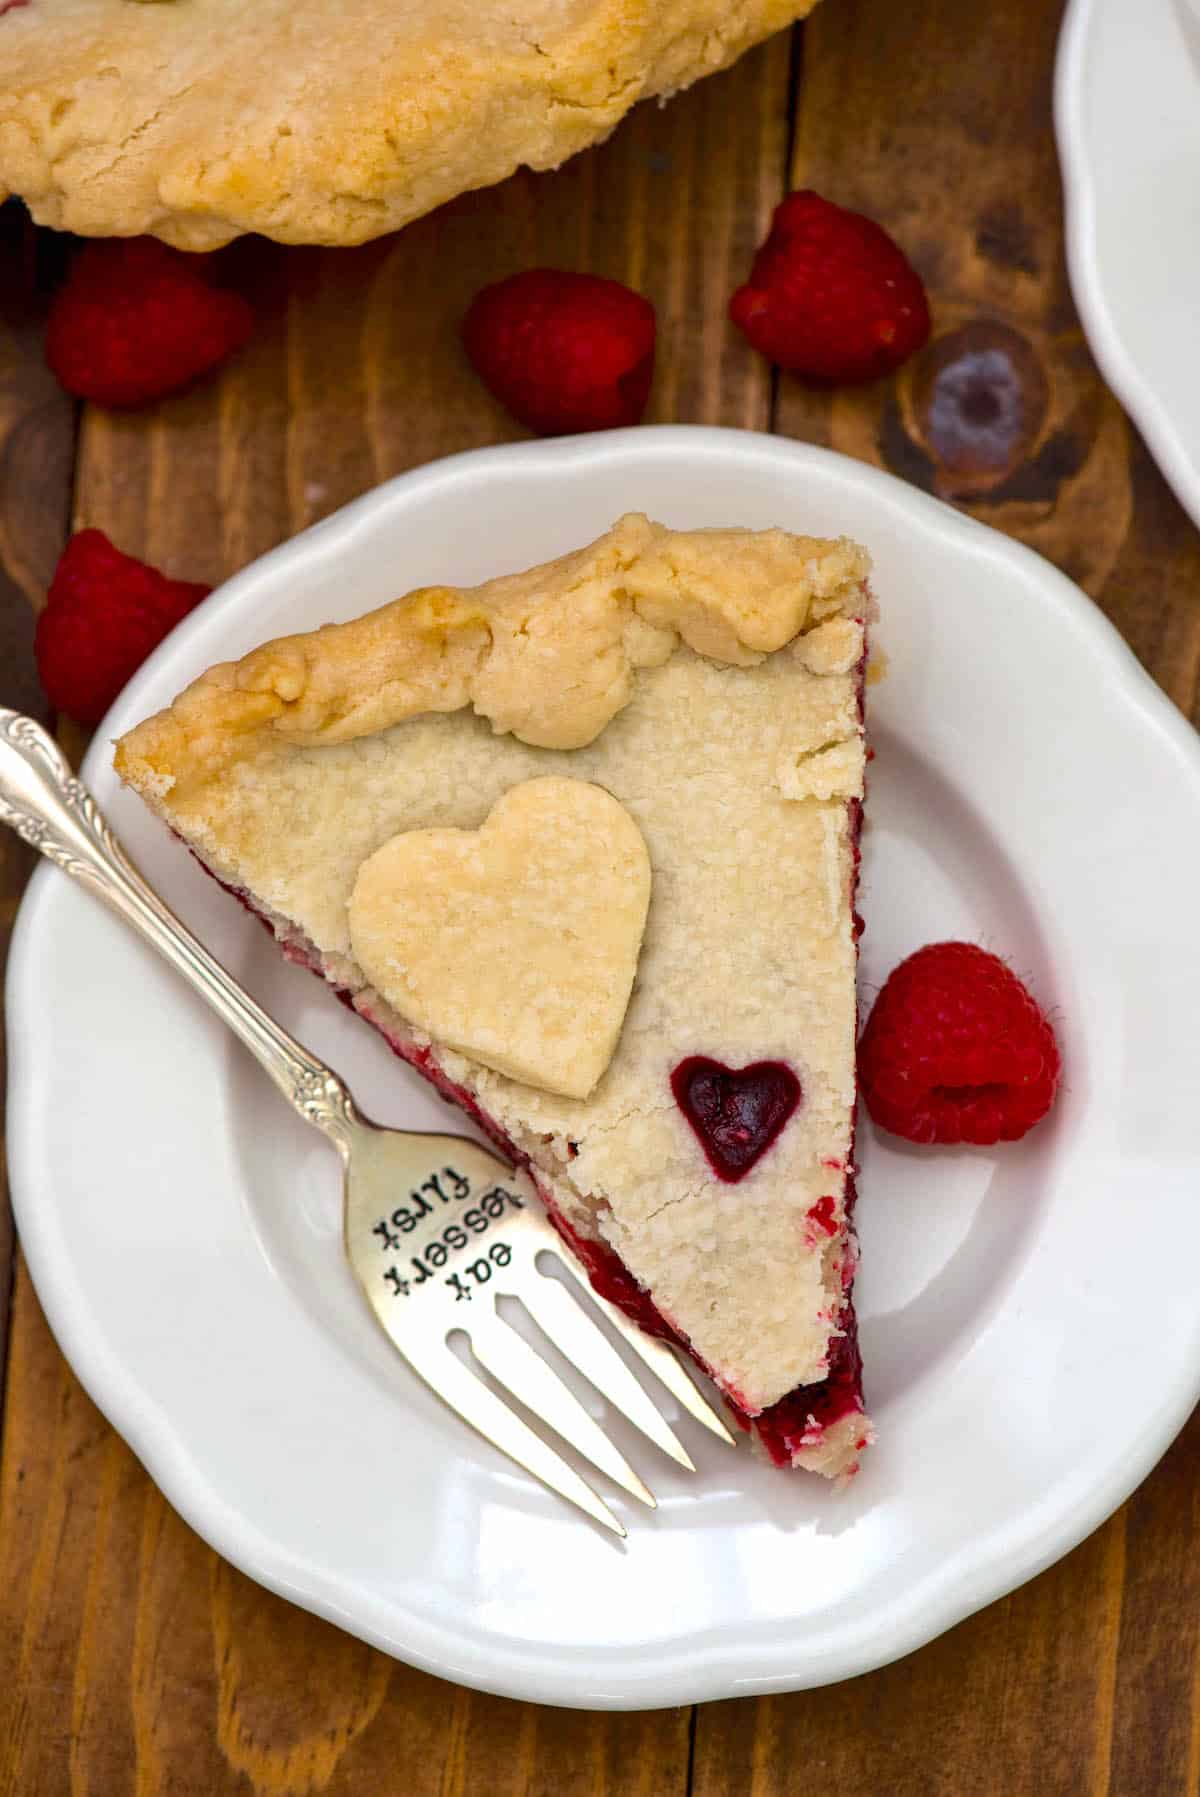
(582, 843)
(325, 121)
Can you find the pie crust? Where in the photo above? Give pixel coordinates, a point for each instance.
(515, 944)
(711, 682)
(314, 122)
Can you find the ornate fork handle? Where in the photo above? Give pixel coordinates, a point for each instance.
(54, 812)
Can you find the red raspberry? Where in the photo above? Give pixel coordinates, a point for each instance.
(136, 320)
(564, 352)
(957, 1050)
(104, 613)
(830, 296)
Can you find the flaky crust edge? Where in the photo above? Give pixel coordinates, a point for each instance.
(550, 654)
(186, 161)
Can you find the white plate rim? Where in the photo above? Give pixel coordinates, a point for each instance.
(1150, 409)
(929, 1609)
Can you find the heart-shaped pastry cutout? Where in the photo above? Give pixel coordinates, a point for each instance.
(736, 1112)
(516, 943)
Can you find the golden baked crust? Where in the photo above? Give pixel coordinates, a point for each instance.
(549, 654)
(318, 123)
(516, 943)
(709, 683)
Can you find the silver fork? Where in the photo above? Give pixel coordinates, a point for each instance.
(436, 1228)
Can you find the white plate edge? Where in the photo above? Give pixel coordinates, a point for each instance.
(929, 1609)
(1178, 465)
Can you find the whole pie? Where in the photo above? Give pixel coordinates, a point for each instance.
(314, 121)
(582, 843)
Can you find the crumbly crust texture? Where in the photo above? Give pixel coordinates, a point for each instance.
(731, 735)
(313, 122)
(550, 654)
(515, 944)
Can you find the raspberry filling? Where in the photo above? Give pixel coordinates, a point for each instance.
(736, 1112)
(794, 1421)
(797, 1420)
(821, 1214)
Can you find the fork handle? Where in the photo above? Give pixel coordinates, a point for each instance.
(54, 812)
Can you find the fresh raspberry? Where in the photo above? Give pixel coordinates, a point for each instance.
(136, 320)
(104, 613)
(564, 352)
(830, 296)
(957, 1050)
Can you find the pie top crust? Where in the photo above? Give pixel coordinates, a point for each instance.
(316, 122)
(710, 682)
(517, 943)
(550, 654)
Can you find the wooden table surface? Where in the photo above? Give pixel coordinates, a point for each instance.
(131, 1658)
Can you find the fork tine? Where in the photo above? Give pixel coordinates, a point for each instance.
(523, 1372)
(574, 1333)
(657, 1355)
(470, 1397)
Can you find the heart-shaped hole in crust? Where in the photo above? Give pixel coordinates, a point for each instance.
(516, 943)
(736, 1112)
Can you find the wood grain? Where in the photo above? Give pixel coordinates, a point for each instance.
(1004, 413)
(1005, 1703)
(357, 373)
(37, 441)
(134, 1660)
(1086, 1680)
(131, 1658)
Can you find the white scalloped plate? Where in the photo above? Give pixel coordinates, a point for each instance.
(1127, 116)
(1031, 1317)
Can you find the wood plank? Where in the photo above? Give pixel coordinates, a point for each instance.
(131, 1658)
(37, 446)
(1156, 1691)
(137, 1660)
(1018, 1699)
(1086, 1680)
(357, 372)
(1004, 413)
